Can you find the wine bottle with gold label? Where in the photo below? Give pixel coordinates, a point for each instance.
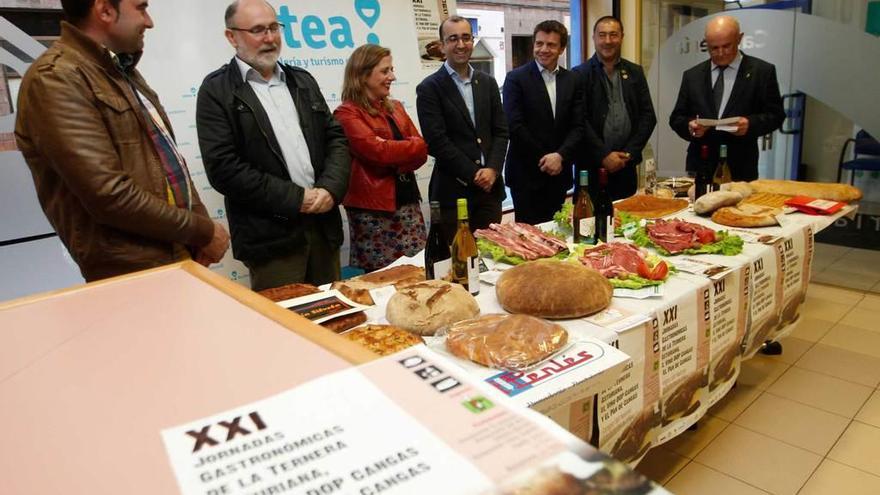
(465, 257)
(583, 222)
(722, 171)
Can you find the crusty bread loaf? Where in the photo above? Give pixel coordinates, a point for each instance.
(358, 288)
(553, 289)
(427, 306)
(395, 275)
(508, 342)
(820, 190)
(746, 215)
(710, 202)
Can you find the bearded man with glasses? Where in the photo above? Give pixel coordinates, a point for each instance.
(271, 146)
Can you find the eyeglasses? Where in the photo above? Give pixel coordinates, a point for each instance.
(261, 30)
(465, 38)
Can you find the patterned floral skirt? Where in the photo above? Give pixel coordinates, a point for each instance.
(380, 237)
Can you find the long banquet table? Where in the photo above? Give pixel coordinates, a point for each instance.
(686, 342)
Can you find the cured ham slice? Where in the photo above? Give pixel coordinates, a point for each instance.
(523, 240)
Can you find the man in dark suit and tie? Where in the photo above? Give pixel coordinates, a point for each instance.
(620, 115)
(544, 108)
(729, 84)
(462, 120)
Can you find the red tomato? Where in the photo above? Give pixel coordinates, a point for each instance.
(705, 236)
(659, 272)
(644, 270)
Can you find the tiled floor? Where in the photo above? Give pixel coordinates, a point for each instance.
(805, 422)
(853, 268)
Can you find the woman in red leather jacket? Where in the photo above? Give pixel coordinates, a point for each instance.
(384, 216)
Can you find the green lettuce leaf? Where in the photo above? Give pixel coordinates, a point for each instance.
(491, 250)
(726, 244)
(641, 239)
(563, 217)
(625, 220)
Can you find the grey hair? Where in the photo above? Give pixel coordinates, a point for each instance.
(232, 9)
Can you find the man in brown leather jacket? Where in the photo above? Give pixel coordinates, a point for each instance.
(101, 150)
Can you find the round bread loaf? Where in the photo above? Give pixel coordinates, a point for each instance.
(425, 307)
(553, 289)
(746, 215)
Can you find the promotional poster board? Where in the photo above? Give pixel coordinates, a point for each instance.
(316, 36)
(684, 360)
(766, 298)
(408, 423)
(629, 410)
(729, 303)
(797, 253)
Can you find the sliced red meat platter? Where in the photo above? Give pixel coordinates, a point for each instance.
(619, 259)
(677, 235)
(523, 240)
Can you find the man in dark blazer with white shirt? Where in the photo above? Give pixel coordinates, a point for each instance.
(544, 105)
(729, 84)
(462, 120)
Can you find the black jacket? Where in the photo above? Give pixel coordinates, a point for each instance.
(755, 95)
(455, 142)
(641, 116)
(535, 132)
(243, 162)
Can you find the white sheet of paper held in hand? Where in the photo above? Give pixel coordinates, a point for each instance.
(726, 125)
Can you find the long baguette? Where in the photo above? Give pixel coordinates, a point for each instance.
(820, 190)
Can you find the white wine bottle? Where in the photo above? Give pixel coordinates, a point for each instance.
(722, 171)
(465, 257)
(582, 220)
(650, 176)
